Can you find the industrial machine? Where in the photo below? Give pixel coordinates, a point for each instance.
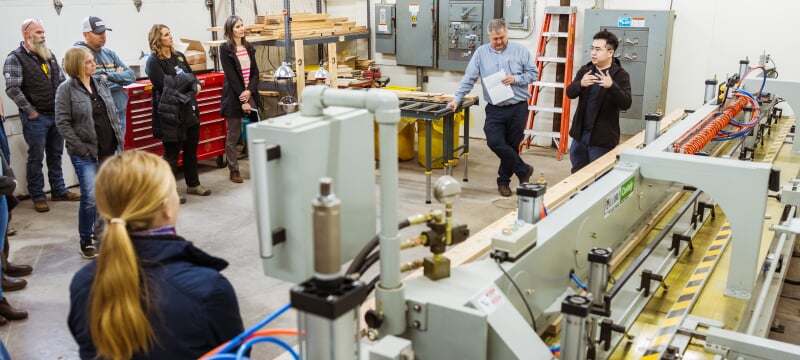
(528, 299)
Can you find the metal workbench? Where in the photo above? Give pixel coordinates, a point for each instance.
(431, 111)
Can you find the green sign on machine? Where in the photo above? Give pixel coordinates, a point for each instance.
(616, 198)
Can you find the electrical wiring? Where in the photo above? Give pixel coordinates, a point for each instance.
(222, 357)
(259, 333)
(578, 282)
(247, 345)
(371, 260)
(521, 295)
(239, 338)
(358, 261)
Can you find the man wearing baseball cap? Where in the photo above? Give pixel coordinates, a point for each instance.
(109, 66)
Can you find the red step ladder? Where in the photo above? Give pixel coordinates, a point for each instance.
(561, 138)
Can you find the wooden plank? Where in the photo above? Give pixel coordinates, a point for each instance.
(299, 54)
(333, 67)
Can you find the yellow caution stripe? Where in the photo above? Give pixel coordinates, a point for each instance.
(671, 323)
(775, 146)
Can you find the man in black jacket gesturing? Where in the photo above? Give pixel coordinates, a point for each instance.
(604, 88)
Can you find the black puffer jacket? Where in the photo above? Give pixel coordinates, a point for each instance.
(606, 131)
(178, 108)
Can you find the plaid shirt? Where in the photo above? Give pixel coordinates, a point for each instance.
(12, 71)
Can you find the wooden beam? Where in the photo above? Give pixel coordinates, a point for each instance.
(300, 66)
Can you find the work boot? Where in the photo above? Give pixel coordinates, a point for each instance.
(198, 190)
(12, 269)
(9, 312)
(41, 206)
(10, 283)
(504, 190)
(527, 177)
(236, 177)
(67, 196)
(17, 270)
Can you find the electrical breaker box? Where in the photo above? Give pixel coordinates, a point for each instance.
(462, 28)
(415, 28)
(645, 38)
(514, 12)
(384, 28)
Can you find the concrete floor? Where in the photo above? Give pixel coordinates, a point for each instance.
(222, 225)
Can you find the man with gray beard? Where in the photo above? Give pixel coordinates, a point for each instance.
(32, 76)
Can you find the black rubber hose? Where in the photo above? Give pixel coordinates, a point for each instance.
(358, 261)
(371, 260)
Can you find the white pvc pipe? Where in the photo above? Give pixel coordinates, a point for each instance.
(258, 170)
(386, 107)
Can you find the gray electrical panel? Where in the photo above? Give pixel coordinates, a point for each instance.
(384, 28)
(645, 41)
(416, 32)
(514, 12)
(462, 28)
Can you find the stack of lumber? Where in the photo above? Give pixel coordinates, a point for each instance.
(304, 25)
(362, 64)
(344, 71)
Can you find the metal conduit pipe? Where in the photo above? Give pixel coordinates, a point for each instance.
(650, 248)
(762, 295)
(385, 106)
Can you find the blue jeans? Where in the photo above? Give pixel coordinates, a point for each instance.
(3, 228)
(504, 128)
(581, 153)
(86, 169)
(43, 140)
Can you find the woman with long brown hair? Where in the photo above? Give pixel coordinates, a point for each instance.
(178, 127)
(150, 294)
(240, 90)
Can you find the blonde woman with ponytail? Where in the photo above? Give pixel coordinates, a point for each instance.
(150, 294)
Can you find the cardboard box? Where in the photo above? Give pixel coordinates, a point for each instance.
(195, 53)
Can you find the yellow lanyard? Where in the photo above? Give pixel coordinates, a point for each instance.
(44, 68)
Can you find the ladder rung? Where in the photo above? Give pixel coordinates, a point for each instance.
(555, 34)
(561, 10)
(548, 84)
(551, 134)
(545, 109)
(553, 59)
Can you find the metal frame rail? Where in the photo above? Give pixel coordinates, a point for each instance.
(431, 111)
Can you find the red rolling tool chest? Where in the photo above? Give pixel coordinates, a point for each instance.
(213, 128)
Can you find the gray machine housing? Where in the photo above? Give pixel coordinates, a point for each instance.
(312, 148)
(645, 38)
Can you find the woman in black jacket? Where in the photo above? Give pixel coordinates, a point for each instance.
(240, 91)
(179, 130)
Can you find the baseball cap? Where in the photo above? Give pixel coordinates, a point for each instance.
(93, 24)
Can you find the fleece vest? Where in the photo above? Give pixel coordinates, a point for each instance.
(39, 88)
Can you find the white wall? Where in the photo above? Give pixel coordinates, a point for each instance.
(709, 38)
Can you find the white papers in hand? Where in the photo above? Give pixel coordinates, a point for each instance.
(498, 92)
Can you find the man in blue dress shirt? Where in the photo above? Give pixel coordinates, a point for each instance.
(505, 119)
